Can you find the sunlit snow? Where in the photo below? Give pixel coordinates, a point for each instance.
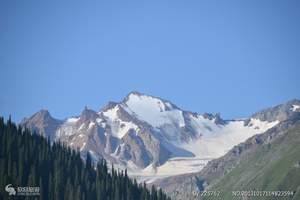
(295, 108)
(153, 110)
(119, 127)
(219, 139)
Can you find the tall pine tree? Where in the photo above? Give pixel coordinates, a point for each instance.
(28, 159)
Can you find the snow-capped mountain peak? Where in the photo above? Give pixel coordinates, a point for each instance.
(157, 104)
(152, 110)
(144, 132)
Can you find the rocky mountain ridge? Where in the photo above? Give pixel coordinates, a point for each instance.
(149, 135)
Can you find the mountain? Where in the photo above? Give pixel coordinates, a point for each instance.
(281, 112)
(249, 164)
(273, 166)
(153, 138)
(54, 171)
(43, 123)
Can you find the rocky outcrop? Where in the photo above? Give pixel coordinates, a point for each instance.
(42, 122)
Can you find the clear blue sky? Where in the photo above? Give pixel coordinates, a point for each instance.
(232, 57)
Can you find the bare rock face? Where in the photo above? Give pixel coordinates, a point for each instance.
(281, 112)
(134, 149)
(88, 115)
(42, 122)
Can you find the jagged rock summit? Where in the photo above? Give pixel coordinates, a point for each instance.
(149, 135)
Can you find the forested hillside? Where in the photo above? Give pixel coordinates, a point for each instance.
(27, 159)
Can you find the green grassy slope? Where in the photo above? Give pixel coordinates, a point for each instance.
(270, 167)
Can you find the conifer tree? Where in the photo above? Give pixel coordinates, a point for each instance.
(29, 159)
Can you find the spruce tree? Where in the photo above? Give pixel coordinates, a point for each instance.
(29, 159)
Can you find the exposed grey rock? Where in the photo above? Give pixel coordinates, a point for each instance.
(135, 150)
(43, 123)
(88, 115)
(281, 112)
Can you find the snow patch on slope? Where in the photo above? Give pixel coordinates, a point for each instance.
(112, 113)
(91, 125)
(83, 146)
(153, 110)
(205, 126)
(174, 166)
(73, 119)
(295, 108)
(218, 139)
(67, 128)
(118, 126)
(215, 141)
